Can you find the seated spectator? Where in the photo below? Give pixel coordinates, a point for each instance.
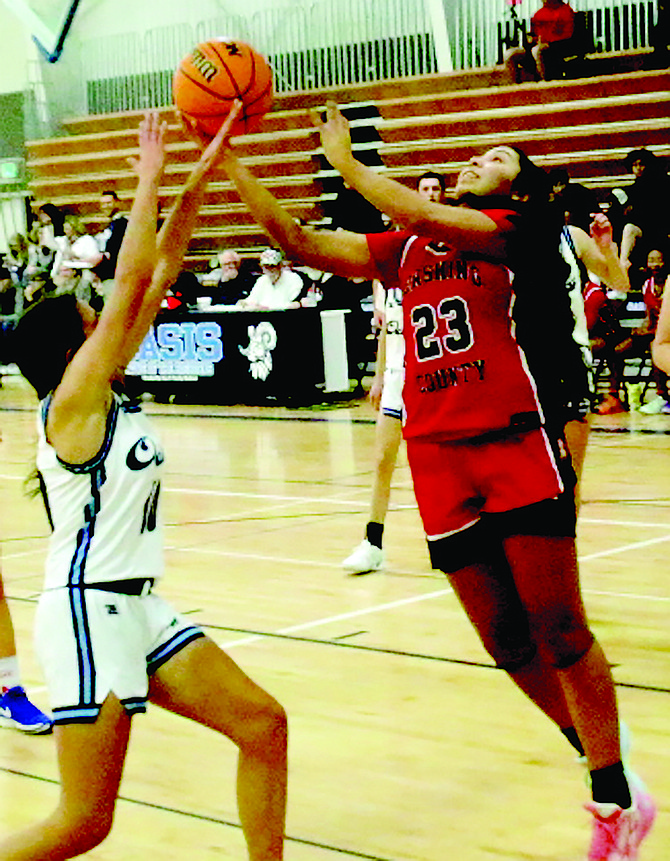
(605, 333)
(550, 42)
(75, 260)
(17, 258)
(640, 341)
(229, 282)
(277, 289)
(46, 233)
(609, 341)
(110, 237)
(577, 202)
(645, 211)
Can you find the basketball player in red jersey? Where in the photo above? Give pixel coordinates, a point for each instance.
(492, 476)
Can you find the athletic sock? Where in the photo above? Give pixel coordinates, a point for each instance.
(609, 785)
(9, 673)
(374, 532)
(571, 734)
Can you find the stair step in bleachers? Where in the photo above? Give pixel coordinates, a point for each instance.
(433, 122)
(542, 93)
(535, 142)
(493, 120)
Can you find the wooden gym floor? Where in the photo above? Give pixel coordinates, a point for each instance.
(405, 744)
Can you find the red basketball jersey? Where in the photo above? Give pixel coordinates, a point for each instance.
(465, 374)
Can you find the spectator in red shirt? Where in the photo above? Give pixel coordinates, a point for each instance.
(550, 41)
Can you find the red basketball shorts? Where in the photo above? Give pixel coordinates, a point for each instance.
(456, 482)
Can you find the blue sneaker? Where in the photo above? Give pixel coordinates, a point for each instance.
(17, 712)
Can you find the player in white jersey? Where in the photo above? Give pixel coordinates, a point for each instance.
(386, 396)
(596, 253)
(107, 641)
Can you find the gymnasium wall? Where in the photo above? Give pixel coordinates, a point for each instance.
(15, 51)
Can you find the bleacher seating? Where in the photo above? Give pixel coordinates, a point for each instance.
(431, 122)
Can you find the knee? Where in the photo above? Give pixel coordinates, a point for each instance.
(386, 460)
(265, 731)
(85, 829)
(566, 642)
(510, 649)
(513, 55)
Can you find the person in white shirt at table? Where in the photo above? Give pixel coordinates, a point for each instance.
(277, 289)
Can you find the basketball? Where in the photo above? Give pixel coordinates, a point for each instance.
(213, 75)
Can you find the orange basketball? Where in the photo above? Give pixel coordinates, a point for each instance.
(216, 73)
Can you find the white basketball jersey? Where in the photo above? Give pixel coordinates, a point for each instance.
(574, 287)
(395, 343)
(104, 513)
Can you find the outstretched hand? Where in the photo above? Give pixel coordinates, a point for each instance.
(601, 231)
(335, 134)
(204, 140)
(151, 159)
(213, 148)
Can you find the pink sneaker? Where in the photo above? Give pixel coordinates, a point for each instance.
(617, 833)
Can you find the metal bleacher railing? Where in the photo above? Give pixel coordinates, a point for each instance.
(322, 43)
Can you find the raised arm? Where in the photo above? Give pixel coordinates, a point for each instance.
(145, 268)
(175, 235)
(342, 252)
(78, 411)
(660, 348)
(599, 253)
(467, 229)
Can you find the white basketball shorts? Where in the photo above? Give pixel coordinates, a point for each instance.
(391, 402)
(92, 643)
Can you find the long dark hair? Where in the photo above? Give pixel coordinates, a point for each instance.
(543, 314)
(56, 215)
(45, 339)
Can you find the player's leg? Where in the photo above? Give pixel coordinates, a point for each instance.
(468, 548)
(7, 639)
(546, 577)
(490, 599)
(577, 437)
(90, 761)
(16, 710)
(368, 555)
(202, 683)
(387, 444)
(545, 571)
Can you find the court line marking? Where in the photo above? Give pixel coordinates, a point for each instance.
(353, 614)
(202, 817)
(624, 548)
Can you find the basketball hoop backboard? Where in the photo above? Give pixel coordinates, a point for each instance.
(49, 22)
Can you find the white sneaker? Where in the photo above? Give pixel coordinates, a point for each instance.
(366, 557)
(654, 407)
